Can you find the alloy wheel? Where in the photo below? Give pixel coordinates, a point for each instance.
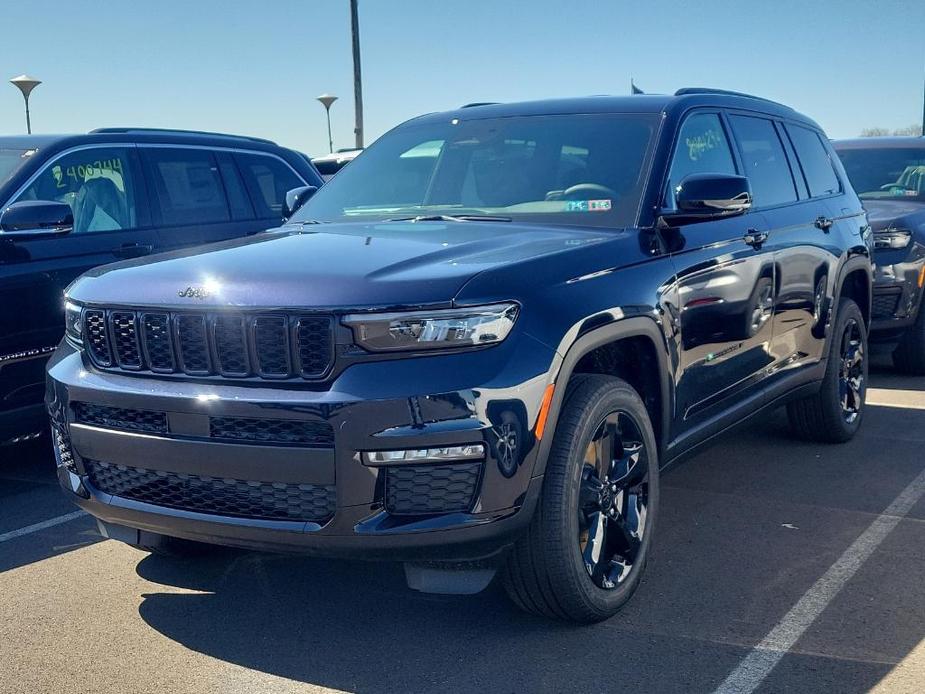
(851, 371)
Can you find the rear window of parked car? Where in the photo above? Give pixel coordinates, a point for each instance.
(814, 159)
(189, 187)
(764, 160)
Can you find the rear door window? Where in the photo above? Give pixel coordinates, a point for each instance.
(188, 185)
(99, 185)
(764, 160)
(268, 179)
(814, 160)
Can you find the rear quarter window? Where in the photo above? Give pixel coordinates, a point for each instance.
(814, 160)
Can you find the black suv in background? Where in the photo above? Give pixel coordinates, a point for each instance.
(70, 203)
(888, 174)
(476, 347)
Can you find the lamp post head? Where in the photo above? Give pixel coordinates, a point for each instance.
(25, 84)
(327, 100)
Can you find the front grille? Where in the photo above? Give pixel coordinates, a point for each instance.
(233, 345)
(212, 495)
(63, 448)
(291, 431)
(884, 305)
(120, 418)
(426, 489)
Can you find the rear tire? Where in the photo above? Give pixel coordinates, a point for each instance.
(586, 548)
(834, 414)
(909, 355)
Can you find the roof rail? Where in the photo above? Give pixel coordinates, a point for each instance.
(724, 92)
(171, 131)
(480, 103)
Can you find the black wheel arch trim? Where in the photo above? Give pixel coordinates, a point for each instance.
(852, 264)
(637, 326)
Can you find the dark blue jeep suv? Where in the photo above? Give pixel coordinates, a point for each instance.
(475, 348)
(72, 202)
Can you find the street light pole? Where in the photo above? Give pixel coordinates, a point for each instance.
(26, 84)
(327, 100)
(357, 79)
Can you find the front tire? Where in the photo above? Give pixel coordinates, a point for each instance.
(585, 551)
(834, 414)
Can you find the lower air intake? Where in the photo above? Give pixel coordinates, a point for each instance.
(414, 490)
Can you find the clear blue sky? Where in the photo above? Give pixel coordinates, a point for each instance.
(254, 68)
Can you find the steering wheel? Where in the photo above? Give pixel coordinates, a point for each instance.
(583, 191)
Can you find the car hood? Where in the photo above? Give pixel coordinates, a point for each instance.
(392, 264)
(883, 213)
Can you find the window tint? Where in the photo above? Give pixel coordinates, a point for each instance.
(814, 159)
(189, 188)
(268, 180)
(237, 197)
(702, 148)
(764, 160)
(97, 183)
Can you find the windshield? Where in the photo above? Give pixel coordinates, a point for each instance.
(569, 169)
(12, 159)
(886, 173)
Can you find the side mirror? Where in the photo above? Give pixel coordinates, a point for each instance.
(297, 197)
(30, 218)
(708, 196)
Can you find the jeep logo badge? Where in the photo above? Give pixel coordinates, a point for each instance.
(194, 293)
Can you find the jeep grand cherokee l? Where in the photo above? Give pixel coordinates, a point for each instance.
(72, 202)
(888, 174)
(477, 345)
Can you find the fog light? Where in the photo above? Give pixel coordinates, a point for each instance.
(469, 451)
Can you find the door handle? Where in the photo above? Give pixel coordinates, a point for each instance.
(132, 250)
(824, 223)
(755, 238)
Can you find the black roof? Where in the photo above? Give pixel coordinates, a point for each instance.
(637, 103)
(130, 134)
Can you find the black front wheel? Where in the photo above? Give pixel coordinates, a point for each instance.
(586, 549)
(834, 414)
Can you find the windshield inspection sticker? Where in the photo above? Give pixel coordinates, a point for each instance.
(588, 206)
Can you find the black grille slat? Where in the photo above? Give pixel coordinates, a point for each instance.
(315, 338)
(213, 495)
(412, 490)
(231, 345)
(120, 418)
(157, 342)
(279, 431)
(193, 340)
(98, 337)
(124, 339)
(271, 345)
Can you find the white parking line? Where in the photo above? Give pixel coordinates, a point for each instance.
(757, 665)
(35, 527)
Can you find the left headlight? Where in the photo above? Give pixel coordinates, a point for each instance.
(440, 329)
(72, 323)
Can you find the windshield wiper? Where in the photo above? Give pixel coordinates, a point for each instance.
(451, 218)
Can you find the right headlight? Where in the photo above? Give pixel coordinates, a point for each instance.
(439, 329)
(72, 322)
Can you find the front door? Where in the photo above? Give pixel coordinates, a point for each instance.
(104, 189)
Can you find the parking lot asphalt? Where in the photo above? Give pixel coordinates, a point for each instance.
(780, 566)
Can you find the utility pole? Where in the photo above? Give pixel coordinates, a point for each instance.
(357, 79)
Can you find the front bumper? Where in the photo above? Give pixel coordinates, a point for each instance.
(897, 293)
(371, 406)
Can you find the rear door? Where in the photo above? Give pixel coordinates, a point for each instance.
(197, 196)
(105, 189)
(724, 286)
